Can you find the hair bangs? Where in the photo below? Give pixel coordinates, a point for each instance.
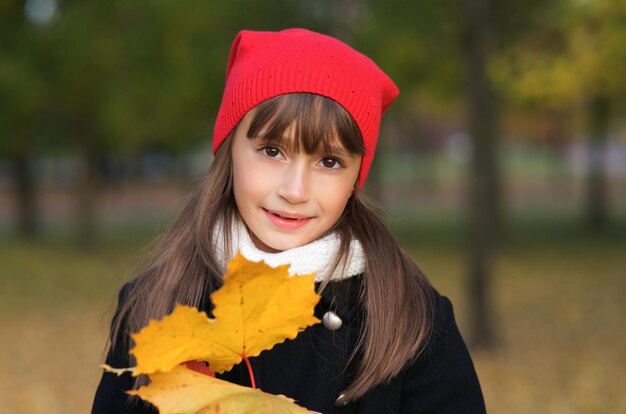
(306, 122)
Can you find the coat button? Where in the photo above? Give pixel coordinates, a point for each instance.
(341, 401)
(331, 321)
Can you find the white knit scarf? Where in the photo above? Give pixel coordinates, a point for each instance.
(316, 256)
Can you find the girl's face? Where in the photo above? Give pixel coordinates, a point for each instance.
(289, 198)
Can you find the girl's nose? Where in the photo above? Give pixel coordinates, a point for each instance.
(294, 185)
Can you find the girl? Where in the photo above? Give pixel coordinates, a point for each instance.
(293, 143)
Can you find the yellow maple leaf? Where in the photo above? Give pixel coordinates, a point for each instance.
(183, 391)
(257, 307)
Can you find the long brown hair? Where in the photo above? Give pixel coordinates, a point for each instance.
(182, 267)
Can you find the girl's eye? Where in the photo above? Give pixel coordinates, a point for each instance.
(331, 163)
(271, 152)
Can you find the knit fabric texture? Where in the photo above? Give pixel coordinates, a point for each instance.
(315, 257)
(263, 65)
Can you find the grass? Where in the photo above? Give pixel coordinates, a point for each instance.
(56, 303)
(557, 297)
(559, 316)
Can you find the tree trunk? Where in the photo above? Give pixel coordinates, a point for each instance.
(596, 198)
(483, 194)
(25, 191)
(87, 191)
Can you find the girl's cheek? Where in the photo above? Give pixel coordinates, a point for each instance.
(257, 176)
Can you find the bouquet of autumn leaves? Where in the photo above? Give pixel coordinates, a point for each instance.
(256, 308)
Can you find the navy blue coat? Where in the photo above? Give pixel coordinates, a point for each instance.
(310, 368)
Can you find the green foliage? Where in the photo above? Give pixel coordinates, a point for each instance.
(23, 92)
(574, 54)
(125, 75)
(416, 43)
(131, 75)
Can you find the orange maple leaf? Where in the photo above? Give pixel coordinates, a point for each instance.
(256, 308)
(185, 391)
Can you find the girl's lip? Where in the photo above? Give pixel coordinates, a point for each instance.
(287, 221)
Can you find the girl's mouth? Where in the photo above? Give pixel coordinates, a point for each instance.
(286, 221)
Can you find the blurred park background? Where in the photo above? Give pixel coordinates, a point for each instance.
(502, 170)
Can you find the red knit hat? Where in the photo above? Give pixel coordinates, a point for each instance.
(263, 65)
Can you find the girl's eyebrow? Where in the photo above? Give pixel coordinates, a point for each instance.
(340, 151)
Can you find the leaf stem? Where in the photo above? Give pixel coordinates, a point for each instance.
(245, 358)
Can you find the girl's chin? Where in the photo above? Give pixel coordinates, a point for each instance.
(277, 246)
